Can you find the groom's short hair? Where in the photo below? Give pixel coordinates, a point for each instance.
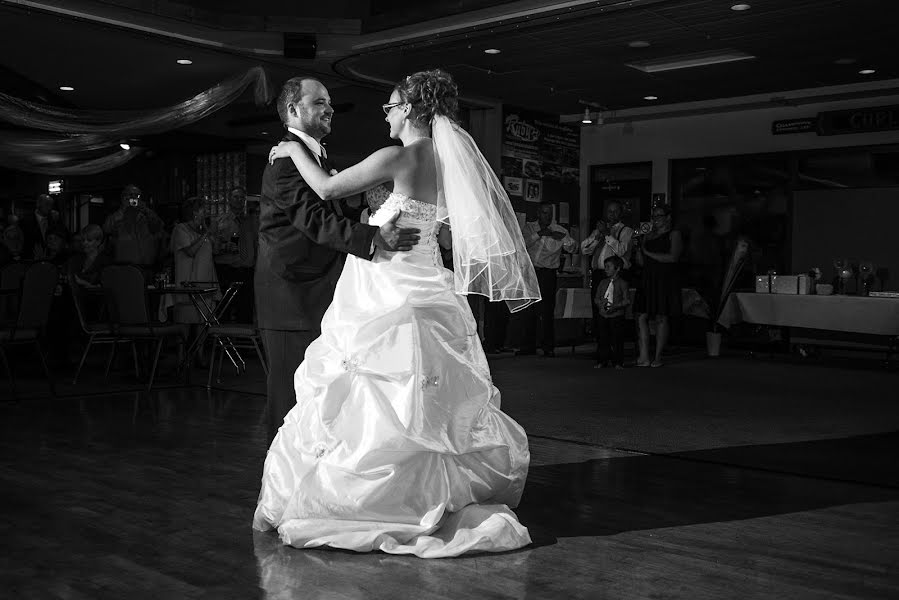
(290, 94)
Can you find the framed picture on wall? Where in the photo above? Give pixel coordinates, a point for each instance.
(532, 169)
(533, 190)
(513, 185)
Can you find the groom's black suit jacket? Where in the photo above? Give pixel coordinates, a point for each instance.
(302, 245)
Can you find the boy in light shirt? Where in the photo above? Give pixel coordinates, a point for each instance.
(611, 299)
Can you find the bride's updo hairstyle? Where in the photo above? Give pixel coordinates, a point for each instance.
(430, 93)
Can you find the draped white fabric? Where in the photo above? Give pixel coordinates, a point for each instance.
(85, 141)
(489, 254)
(397, 441)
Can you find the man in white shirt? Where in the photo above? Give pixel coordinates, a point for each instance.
(545, 240)
(610, 238)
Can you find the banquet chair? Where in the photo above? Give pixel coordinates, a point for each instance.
(10, 279)
(126, 296)
(96, 332)
(29, 326)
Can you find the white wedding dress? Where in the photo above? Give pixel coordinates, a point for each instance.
(397, 441)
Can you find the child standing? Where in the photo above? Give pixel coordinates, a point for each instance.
(611, 299)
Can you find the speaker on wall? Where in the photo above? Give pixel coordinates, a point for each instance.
(299, 45)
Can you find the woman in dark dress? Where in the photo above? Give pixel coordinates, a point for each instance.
(660, 291)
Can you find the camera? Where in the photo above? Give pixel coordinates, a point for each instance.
(133, 202)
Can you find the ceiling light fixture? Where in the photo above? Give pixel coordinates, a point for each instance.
(125, 146)
(867, 72)
(67, 88)
(740, 7)
(184, 61)
(638, 44)
(264, 133)
(685, 61)
(650, 97)
(586, 120)
(492, 51)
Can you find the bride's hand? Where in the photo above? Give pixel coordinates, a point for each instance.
(282, 150)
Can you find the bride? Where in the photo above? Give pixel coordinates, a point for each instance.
(397, 441)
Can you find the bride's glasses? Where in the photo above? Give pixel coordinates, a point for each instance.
(387, 107)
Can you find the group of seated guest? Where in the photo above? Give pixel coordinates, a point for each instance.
(195, 249)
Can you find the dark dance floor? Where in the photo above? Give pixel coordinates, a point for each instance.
(710, 479)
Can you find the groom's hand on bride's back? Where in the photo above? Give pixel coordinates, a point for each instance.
(391, 237)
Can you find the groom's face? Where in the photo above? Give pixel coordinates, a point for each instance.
(313, 110)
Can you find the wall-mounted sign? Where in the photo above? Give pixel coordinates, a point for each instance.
(859, 120)
(800, 125)
(513, 185)
(534, 147)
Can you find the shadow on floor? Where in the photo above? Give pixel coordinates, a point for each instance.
(613, 495)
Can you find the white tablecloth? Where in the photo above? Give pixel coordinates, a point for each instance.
(573, 303)
(854, 314)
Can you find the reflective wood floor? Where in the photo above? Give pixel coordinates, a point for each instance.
(692, 481)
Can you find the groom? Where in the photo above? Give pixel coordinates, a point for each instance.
(302, 244)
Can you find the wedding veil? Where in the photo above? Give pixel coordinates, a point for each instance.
(489, 254)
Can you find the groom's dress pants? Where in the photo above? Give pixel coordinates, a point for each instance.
(285, 351)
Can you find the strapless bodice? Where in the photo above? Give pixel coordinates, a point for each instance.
(412, 209)
(413, 213)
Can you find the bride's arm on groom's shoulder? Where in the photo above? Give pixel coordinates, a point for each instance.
(378, 168)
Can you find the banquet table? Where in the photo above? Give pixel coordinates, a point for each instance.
(852, 314)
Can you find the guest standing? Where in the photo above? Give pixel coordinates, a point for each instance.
(235, 253)
(36, 227)
(134, 232)
(192, 250)
(545, 240)
(609, 238)
(659, 295)
(611, 299)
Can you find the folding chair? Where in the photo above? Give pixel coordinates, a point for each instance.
(126, 294)
(38, 287)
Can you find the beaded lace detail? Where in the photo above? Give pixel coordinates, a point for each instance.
(412, 208)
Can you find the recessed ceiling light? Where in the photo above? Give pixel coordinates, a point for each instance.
(638, 44)
(125, 146)
(184, 61)
(650, 97)
(67, 88)
(492, 51)
(740, 7)
(844, 61)
(264, 133)
(867, 72)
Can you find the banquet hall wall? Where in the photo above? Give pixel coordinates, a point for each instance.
(714, 134)
(739, 140)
